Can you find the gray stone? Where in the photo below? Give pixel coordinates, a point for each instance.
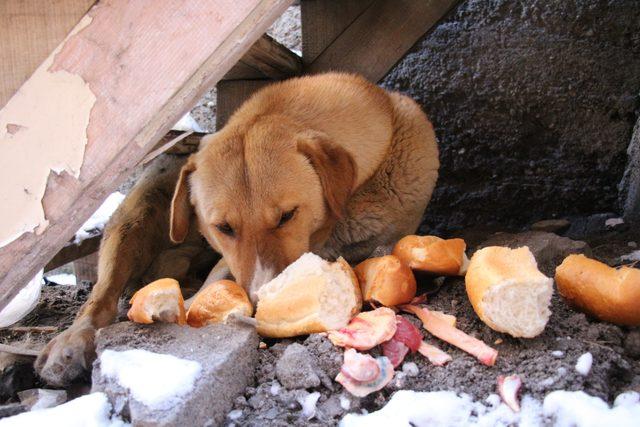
(40, 398)
(548, 248)
(632, 344)
(11, 409)
(533, 110)
(630, 184)
(16, 374)
(551, 225)
(227, 353)
(297, 369)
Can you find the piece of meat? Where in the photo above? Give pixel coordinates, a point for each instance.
(508, 388)
(434, 354)
(361, 374)
(395, 351)
(366, 330)
(443, 330)
(407, 334)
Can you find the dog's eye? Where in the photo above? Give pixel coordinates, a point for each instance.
(286, 217)
(225, 228)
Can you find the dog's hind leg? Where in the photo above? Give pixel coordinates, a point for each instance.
(135, 235)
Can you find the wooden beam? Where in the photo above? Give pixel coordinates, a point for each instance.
(29, 30)
(110, 91)
(72, 251)
(266, 59)
(379, 37)
(231, 94)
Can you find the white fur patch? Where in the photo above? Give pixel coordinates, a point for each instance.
(261, 275)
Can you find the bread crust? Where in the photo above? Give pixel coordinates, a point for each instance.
(216, 302)
(386, 280)
(295, 309)
(432, 254)
(607, 293)
(137, 313)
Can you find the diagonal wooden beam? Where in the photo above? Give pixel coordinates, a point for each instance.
(266, 59)
(127, 72)
(378, 37)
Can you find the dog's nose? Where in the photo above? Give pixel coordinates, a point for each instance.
(261, 275)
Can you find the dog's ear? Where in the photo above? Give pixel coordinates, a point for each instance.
(181, 210)
(335, 167)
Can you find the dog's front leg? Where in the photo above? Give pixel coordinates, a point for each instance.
(219, 272)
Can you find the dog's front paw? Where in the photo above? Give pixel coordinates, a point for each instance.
(67, 356)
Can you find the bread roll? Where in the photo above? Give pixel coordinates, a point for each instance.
(158, 301)
(607, 293)
(508, 292)
(311, 295)
(433, 254)
(216, 302)
(386, 280)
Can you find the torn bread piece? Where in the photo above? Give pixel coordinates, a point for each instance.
(433, 254)
(366, 330)
(216, 302)
(311, 295)
(159, 301)
(607, 293)
(386, 280)
(508, 292)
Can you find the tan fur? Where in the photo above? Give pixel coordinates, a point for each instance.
(358, 164)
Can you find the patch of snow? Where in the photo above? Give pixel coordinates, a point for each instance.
(345, 403)
(410, 368)
(275, 388)
(23, 303)
(449, 409)
(557, 353)
(235, 414)
(100, 217)
(63, 279)
(612, 222)
(633, 256)
(576, 408)
(90, 410)
(583, 365)
(308, 404)
(155, 380)
(187, 123)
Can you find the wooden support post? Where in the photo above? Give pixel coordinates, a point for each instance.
(110, 91)
(86, 268)
(231, 94)
(375, 40)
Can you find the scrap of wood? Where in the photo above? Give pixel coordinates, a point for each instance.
(379, 37)
(32, 329)
(266, 59)
(19, 350)
(29, 30)
(72, 251)
(146, 64)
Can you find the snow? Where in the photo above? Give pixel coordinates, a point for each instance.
(410, 368)
(345, 403)
(91, 410)
(633, 256)
(448, 409)
(583, 365)
(99, 217)
(275, 388)
(187, 123)
(235, 414)
(557, 353)
(612, 222)
(155, 380)
(62, 279)
(308, 404)
(23, 303)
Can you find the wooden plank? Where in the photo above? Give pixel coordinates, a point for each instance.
(380, 36)
(113, 88)
(29, 30)
(324, 20)
(231, 94)
(266, 59)
(86, 268)
(72, 252)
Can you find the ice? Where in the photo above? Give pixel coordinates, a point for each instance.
(99, 217)
(583, 365)
(91, 410)
(155, 380)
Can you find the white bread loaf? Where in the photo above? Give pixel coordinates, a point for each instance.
(386, 280)
(433, 254)
(159, 301)
(216, 302)
(311, 295)
(508, 292)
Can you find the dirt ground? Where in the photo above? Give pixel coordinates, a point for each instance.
(616, 351)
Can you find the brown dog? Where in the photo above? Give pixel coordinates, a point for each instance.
(330, 164)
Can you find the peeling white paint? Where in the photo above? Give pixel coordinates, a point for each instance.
(30, 149)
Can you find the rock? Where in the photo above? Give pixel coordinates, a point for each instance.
(548, 248)
(588, 226)
(16, 374)
(297, 369)
(630, 184)
(632, 344)
(227, 355)
(11, 409)
(40, 398)
(551, 225)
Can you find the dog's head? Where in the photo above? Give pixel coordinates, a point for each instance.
(263, 195)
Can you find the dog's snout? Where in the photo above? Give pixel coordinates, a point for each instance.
(262, 273)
